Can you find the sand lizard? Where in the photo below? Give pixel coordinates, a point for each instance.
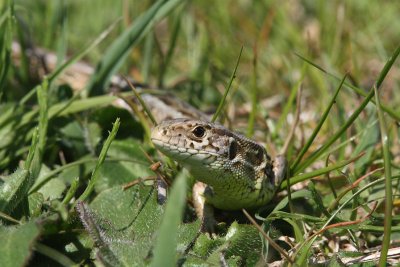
(233, 171)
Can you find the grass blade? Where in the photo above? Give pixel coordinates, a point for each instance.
(82, 53)
(6, 37)
(53, 254)
(388, 181)
(394, 114)
(165, 248)
(309, 175)
(317, 128)
(32, 148)
(222, 102)
(118, 51)
(42, 96)
(176, 27)
(290, 101)
(354, 116)
(304, 248)
(142, 103)
(102, 156)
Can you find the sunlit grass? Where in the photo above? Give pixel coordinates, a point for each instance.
(337, 52)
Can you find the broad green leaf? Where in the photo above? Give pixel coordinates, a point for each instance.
(128, 221)
(53, 189)
(92, 135)
(205, 246)
(128, 148)
(14, 189)
(17, 243)
(73, 138)
(133, 164)
(120, 172)
(35, 201)
(187, 232)
(240, 244)
(244, 242)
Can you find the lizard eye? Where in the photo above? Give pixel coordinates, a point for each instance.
(199, 131)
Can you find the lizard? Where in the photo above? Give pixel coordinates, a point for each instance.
(233, 171)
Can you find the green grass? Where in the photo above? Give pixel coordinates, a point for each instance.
(66, 152)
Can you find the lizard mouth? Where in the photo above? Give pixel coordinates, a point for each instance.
(181, 153)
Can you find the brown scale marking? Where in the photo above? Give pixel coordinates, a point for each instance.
(233, 150)
(167, 118)
(226, 143)
(237, 164)
(254, 157)
(210, 140)
(191, 145)
(260, 154)
(167, 100)
(223, 132)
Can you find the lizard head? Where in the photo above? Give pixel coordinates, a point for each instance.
(238, 171)
(205, 147)
(190, 142)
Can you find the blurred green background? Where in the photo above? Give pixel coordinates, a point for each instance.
(354, 37)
